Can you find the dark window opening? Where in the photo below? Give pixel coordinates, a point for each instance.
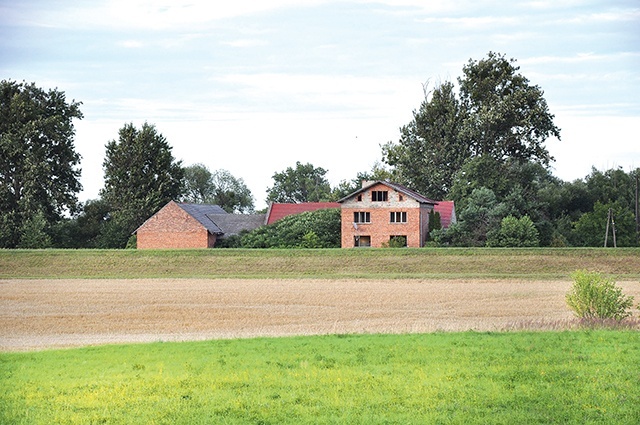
(398, 217)
(362, 217)
(362, 241)
(379, 195)
(397, 241)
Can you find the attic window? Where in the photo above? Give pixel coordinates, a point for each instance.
(379, 195)
(360, 198)
(400, 197)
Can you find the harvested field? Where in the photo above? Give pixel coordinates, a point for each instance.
(39, 314)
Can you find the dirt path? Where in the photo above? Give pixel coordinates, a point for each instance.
(37, 314)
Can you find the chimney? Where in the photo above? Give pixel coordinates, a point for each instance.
(366, 183)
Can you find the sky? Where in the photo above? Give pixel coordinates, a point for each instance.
(253, 86)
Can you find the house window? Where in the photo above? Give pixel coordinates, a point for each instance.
(362, 217)
(379, 195)
(398, 217)
(400, 197)
(362, 241)
(397, 241)
(360, 198)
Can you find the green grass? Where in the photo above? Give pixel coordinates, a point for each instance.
(585, 377)
(327, 263)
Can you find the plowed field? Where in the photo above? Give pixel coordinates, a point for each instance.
(39, 314)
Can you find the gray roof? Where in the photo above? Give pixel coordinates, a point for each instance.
(232, 224)
(397, 187)
(201, 212)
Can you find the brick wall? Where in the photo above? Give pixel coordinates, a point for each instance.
(381, 229)
(172, 227)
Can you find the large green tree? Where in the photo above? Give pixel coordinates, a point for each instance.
(505, 116)
(304, 183)
(219, 187)
(141, 175)
(430, 150)
(498, 116)
(39, 174)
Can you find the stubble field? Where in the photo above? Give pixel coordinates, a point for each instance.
(47, 313)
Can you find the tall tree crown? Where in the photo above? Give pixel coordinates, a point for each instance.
(39, 172)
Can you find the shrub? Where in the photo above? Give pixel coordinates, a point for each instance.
(514, 232)
(311, 229)
(593, 296)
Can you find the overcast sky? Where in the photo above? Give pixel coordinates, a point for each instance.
(252, 86)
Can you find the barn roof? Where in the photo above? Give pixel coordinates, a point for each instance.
(232, 224)
(200, 212)
(447, 213)
(278, 211)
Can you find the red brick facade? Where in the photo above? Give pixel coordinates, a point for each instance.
(369, 220)
(173, 227)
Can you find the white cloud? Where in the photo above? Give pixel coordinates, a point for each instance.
(148, 14)
(580, 58)
(245, 43)
(132, 44)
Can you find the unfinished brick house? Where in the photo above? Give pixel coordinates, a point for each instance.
(179, 225)
(381, 213)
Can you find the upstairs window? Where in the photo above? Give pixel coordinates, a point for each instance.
(398, 217)
(362, 217)
(379, 195)
(359, 198)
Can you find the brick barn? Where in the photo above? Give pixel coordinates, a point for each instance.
(180, 225)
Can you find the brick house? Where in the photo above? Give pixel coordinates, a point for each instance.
(180, 225)
(381, 212)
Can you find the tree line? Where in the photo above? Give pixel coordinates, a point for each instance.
(481, 145)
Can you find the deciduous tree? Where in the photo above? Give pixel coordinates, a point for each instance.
(505, 116)
(141, 175)
(219, 187)
(39, 174)
(430, 150)
(304, 183)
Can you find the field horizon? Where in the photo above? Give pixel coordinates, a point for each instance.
(492, 263)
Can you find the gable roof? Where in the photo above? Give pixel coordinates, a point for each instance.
(200, 212)
(395, 186)
(232, 224)
(278, 211)
(447, 213)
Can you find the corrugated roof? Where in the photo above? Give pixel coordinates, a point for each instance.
(395, 186)
(200, 212)
(278, 211)
(232, 224)
(447, 213)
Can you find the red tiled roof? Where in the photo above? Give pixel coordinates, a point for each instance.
(278, 211)
(447, 213)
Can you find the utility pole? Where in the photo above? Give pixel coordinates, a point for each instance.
(611, 220)
(637, 212)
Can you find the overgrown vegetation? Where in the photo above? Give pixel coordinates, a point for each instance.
(580, 377)
(593, 296)
(312, 229)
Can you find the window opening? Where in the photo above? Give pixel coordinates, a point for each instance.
(398, 217)
(379, 195)
(397, 241)
(362, 217)
(364, 241)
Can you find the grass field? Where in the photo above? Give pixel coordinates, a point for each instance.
(542, 377)
(326, 263)
(586, 377)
